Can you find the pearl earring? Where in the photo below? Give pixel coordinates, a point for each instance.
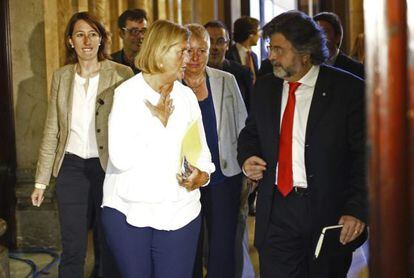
(72, 46)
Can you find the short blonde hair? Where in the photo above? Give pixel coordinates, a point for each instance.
(199, 32)
(159, 38)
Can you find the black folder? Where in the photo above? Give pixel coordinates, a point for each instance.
(328, 243)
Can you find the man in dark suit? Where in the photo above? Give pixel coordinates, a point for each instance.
(219, 44)
(304, 141)
(132, 26)
(246, 33)
(332, 26)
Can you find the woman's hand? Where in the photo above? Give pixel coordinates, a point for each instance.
(37, 197)
(195, 180)
(164, 107)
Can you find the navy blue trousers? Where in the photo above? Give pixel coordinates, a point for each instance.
(148, 252)
(220, 208)
(79, 196)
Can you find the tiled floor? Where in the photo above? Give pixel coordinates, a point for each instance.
(21, 270)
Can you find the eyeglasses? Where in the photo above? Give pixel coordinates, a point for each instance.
(276, 50)
(218, 42)
(197, 51)
(93, 36)
(135, 31)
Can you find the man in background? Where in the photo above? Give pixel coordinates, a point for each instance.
(132, 26)
(219, 44)
(332, 26)
(246, 33)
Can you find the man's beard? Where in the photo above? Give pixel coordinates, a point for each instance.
(280, 71)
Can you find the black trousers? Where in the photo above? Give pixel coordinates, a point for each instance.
(79, 195)
(288, 250)
(219, 208)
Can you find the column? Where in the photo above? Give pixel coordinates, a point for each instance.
(388, 144)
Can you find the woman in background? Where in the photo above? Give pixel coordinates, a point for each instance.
(224, 114)
(74, 146)
(151, 210)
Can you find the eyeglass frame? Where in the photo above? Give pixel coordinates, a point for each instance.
(135, 31)
(219, 42)
(277, 50)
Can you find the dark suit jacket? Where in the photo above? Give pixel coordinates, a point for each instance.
(233, 54)
(342, 61)
(119, 58)
(350, 65)
(334, 148)
(244, 79)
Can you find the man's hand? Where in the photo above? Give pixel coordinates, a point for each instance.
(253, 167)
(37, 197)
(195, 180)
(352, 228)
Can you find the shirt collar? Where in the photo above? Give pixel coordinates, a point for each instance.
(241, 48)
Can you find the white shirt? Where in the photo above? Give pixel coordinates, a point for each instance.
(242, 53)
(304, 94)
(82, 138)
(145, 156)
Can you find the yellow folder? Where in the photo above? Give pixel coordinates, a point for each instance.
(191, 144)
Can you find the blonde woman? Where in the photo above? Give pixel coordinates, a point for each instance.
(151, 210)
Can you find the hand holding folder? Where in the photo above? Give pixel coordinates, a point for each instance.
(329, 244)
(191, 177)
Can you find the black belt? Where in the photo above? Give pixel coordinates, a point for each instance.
(297, 190)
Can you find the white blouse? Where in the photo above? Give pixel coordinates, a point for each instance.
(82, 138)
(145, 157)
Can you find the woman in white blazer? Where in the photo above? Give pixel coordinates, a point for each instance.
(224, 114)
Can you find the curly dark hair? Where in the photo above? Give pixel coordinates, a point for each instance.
(302, 32)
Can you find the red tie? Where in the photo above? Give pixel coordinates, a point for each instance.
(284, 172)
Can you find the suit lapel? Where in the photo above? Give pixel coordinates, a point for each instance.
(235, 54)
(67, 83)
(320, 100)
(216, 85)
(274, 112)
(105, 77)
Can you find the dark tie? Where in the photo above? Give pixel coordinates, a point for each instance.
(284, 172)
